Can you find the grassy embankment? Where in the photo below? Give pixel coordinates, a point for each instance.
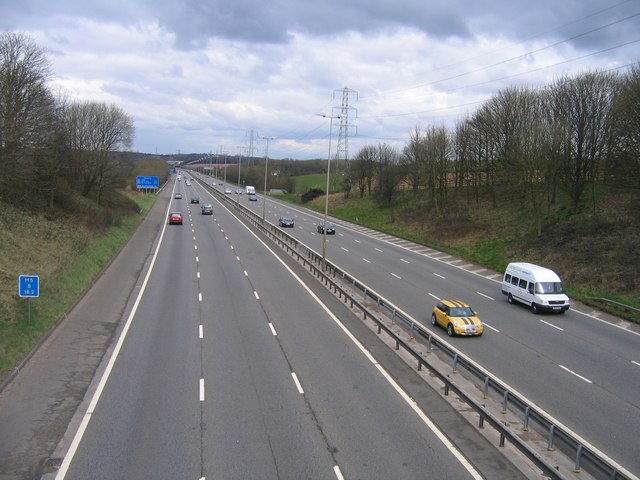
(66, 253)
(596, 253)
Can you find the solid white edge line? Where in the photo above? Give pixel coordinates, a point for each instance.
(75, 443)
(297, 382)
(599, 452)
(414, 406)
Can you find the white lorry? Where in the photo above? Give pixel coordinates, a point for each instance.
(251, 190)
(535, 286)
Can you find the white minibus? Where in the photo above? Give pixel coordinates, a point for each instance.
(535, 286)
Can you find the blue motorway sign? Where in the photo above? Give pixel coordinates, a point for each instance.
(29, 285)
(147, 182)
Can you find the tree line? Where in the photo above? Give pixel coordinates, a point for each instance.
(51, 147)
(523, 145)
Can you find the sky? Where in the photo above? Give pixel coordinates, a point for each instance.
(301, 79)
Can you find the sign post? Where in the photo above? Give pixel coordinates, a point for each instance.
(29, 287)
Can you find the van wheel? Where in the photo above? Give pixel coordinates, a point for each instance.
(510, 299)
(434, 322)
(534, 307)
(450, 331)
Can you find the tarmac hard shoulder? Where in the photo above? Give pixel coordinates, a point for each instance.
(37, 406)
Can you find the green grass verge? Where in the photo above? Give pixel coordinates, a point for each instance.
(492, 237)
(62, 287)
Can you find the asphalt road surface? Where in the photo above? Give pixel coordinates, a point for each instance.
(234, 365)
(580, 369)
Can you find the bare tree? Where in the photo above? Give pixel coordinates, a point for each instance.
(389, 173)
(25, 106)
(626, 168)
(582, 108)
(438, 153)
(96, 130)
(362, 169)
(413, 160)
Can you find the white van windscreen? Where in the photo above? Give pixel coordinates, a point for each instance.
(549, 287)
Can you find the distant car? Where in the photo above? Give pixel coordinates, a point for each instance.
(178, 196)
(195, 200)
(253, 197)
(227, 191)
(220, 183)
(207, 209)
(285, 221)
(238, 191)
(175, 218)
(188, 183)
(331, 228)
(457, 317)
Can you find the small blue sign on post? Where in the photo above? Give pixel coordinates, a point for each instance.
(29, 286)
(145, 182)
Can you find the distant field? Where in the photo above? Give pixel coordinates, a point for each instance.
(304, 183)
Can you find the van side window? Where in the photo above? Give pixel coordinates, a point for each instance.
(514, 281)
(507, 277)
(523, 283)
(531, 288)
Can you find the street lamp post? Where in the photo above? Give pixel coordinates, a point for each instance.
(326, 196)
(266, 164)
(238, 187)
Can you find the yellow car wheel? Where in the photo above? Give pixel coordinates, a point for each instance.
(450, 331)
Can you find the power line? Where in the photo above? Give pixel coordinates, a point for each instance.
(524, 55)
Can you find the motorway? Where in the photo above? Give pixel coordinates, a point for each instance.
(233, 368)
(583, 371)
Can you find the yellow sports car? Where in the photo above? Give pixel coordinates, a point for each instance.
(457, 317)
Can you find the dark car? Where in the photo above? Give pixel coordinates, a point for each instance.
(207, 209)
(285, 221)
(175, 218)
(195, 200)
(330, 227)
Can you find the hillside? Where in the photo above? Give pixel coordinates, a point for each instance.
(597, 254)
(67, 248)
